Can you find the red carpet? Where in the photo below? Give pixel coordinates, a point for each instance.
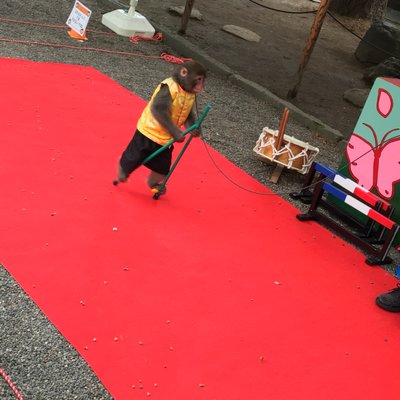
(210, 292)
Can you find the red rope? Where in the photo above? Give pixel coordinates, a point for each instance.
(8, 380)
(157, 37)
(172, 59)
(65, 46)
(16, 21)
(164, 56)
(134, 39)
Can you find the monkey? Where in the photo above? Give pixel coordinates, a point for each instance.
(171, 106)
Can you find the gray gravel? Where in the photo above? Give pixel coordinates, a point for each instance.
(32, 352)
(35, 356)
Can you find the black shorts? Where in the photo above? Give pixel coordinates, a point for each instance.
(139, 148)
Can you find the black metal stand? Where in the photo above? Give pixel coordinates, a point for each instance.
(375, 239)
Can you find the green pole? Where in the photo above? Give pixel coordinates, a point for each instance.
(196, 125)
(160, 190)
(164, 182)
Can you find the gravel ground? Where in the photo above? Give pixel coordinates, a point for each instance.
(37, 358)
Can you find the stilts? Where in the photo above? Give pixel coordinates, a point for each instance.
(160, 189)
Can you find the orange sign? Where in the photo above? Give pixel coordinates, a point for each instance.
(79, 18)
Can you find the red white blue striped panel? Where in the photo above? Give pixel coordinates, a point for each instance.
(351, 186)
(358, 205)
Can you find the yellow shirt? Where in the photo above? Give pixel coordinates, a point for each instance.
(182, 103)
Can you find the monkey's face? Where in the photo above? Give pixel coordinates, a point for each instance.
(198, 84)
(191, 81)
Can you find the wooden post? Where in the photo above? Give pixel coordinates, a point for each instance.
(282, 129)
(312, 38)
(277, 172)
(186, 16)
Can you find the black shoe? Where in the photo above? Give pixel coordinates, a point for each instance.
(389, 301)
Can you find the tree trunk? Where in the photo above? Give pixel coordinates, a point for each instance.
(373, 9)
(378, 8)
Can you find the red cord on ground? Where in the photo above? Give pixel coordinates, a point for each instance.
(163, 56)
(157, 37)
(8, 380)
(172, 59)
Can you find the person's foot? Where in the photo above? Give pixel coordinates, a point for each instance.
(389, 301)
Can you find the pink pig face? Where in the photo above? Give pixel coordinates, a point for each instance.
(376, 166)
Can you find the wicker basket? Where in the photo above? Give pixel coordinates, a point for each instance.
(293, 154)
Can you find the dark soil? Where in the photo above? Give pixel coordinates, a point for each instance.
(273, 62)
